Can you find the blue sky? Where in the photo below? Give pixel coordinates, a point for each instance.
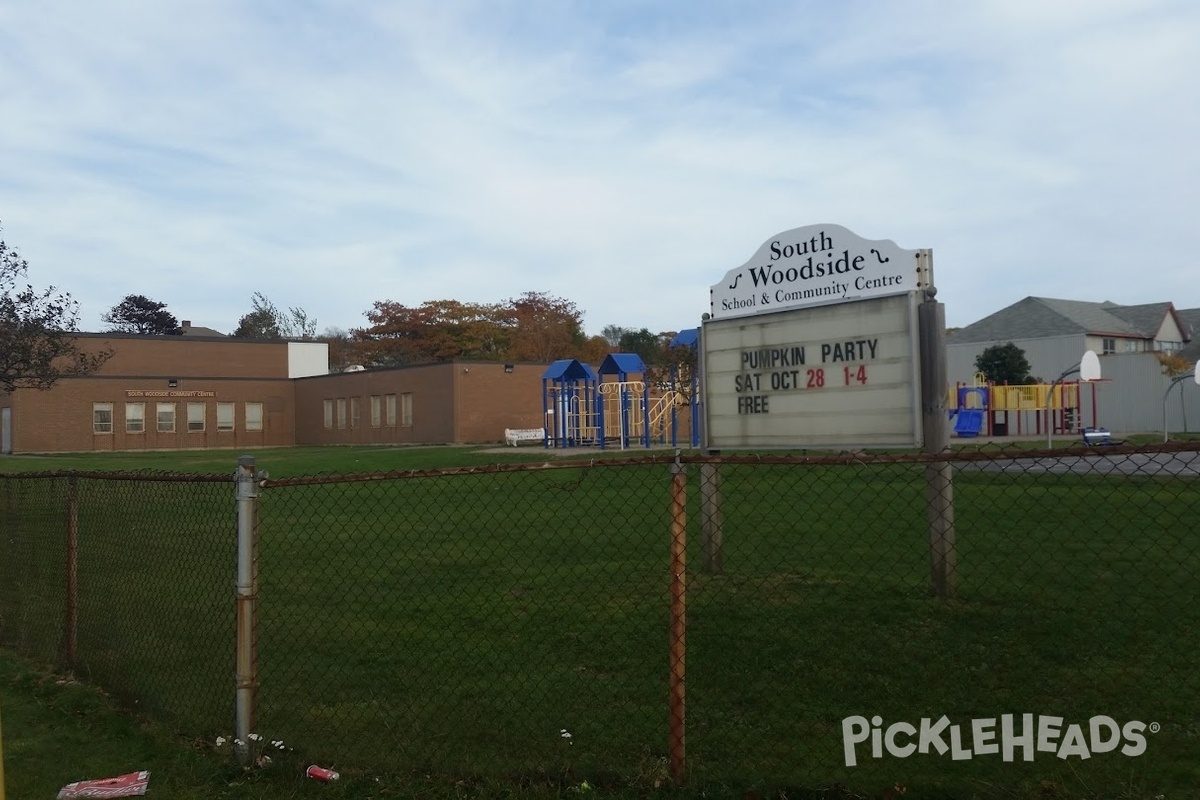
(620, 154)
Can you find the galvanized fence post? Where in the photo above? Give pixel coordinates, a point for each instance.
(247, 597)
(678, 644)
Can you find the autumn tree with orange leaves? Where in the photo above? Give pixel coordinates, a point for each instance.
(533, 327)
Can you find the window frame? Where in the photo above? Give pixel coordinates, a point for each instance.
(376, 410)
(254, 422)
(203, 421)
(406, 410)
(159, 410)
(390, 405)
(140, 418)
(230, 408)
(98, 427)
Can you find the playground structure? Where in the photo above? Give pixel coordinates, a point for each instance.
(985, 409)
(617, 404)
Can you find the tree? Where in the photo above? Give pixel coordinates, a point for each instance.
(436, 330)
(545, 328)
(141, 315)
(642, 342)
(613, 334)
(344, 351)
(37, 347)
(532, 327)
(1004, 363)
(266, 321)
(594, 350)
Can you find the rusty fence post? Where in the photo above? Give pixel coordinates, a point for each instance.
(247, 602)
(72, 587)
(678, 643)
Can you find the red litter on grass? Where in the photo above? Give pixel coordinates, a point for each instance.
(133, 784)
(321, 774)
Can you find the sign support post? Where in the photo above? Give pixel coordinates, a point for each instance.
(939, 476)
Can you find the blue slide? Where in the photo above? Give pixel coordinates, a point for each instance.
(968, 422)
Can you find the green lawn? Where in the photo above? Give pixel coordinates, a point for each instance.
(443, 632)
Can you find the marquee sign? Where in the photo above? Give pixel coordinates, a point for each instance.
(816, 265)
(814, 342)
(828, 377)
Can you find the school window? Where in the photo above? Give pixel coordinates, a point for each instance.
(390, 402)
(135, 417)
(376, 411)
(166, 417)
(406, 410)
(225, 416)
(102, 419)
(195, 412)
(254, 419)
(1110, 346)
(328, 413)
(341, 412)
(355, 412)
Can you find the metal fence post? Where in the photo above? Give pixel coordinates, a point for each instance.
(247, 596)
(72, 604)
(678, 644)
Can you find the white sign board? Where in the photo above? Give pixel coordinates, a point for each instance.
(830, 377)
(816, 265)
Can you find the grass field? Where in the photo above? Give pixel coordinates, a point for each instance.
(444, 632)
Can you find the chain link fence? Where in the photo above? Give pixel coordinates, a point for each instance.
(725, 622)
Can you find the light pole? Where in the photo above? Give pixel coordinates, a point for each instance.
(1088, 369)
(1195, 376)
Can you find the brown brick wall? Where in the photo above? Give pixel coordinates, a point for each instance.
(60, 419)
(456, 402)
(490, 400)
(180, 356)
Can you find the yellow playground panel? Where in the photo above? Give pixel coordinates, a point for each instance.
(1032, 406)
(625, 413)
(1033, 397)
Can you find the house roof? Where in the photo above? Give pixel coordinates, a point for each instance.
(186, 328)
(1190, 317)
(1046, 317)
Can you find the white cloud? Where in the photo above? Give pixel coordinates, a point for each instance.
(619, 156)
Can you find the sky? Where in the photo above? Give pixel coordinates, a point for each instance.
(621, 155)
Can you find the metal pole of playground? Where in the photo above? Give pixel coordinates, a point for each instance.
(1194, 375)
(1049, 400)
(1089, 370)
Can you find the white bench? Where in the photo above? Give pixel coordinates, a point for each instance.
(515, 436)
(1099, 437)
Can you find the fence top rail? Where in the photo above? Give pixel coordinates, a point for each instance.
(581, 461)
(790, 459)
(147, 476)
